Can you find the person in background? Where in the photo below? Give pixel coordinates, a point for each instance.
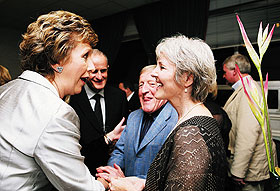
(248, 162)
(100, 108)
(145, 132)
(132, 97)
(193, 155)
(39, 132)
(220, 115)
(224, 125)
(4, 75)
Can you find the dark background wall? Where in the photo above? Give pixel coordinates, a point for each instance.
(132, 58)
(129, 62)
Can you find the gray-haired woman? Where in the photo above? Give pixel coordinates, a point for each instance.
(193, 156)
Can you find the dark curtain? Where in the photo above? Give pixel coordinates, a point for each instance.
(110, 32)
(166, 18)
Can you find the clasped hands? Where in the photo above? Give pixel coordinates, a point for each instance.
(117, 181)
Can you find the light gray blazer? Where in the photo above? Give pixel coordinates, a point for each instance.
(39, 139)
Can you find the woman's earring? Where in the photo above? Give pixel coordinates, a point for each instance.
(186, 90)
(59, 69)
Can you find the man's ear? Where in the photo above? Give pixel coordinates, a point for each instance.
(235, 73)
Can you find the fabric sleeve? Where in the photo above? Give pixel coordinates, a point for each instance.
(117, 155)
(58, 154)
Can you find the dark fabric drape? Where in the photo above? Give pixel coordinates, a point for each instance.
(110, 32)
(166, 18)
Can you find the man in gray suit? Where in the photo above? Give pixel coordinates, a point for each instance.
(145, 133)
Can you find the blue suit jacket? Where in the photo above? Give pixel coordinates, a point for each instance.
(134, 160)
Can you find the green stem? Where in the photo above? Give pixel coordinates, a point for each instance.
(266, 148)
(268, 152)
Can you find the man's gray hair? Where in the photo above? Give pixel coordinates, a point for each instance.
(239, 59)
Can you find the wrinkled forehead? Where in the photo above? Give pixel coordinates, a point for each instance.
(146, 77)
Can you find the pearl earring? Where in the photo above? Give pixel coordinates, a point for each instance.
(186, 90)
(59, 69)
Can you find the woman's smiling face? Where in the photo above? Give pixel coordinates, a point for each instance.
(165, 76)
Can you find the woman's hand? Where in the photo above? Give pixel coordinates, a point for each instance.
(116, 133)
(104, 182)
(108, 172)
(127, 184)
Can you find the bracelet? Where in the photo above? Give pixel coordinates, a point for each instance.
(108, 140)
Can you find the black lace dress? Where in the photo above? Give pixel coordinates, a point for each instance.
(192, 158)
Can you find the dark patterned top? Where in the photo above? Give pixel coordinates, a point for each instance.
(192, 158)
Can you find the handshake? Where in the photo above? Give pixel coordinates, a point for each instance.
(113, 179)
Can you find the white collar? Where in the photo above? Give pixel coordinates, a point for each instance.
(91, 93)
(39, 79)
(237, 84)
(129, 97)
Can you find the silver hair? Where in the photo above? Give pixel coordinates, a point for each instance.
(194, 57)
(239, 59)
(148, 68)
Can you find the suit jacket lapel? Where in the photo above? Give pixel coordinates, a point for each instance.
(108, 103)
(233, 95)
(86, 108)
(137, 124)
(158, 125)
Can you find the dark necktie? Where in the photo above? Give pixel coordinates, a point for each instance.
(97, 109)
(147, 122)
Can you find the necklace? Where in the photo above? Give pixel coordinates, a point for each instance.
(194, 106)
(180, 120)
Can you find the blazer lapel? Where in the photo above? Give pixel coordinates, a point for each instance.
(86, 108)
(233, 95)
(158, 125)
(109, 102)
(137, 124)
